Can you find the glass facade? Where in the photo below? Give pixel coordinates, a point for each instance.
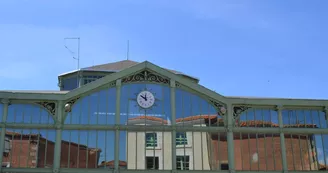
(109, 125)
(70, 83)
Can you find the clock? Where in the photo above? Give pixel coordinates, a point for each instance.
(145, 99)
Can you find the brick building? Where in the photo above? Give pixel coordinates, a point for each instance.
(209, 151)
(263, 151)
(33, 150)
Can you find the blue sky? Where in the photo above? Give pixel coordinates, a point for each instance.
(270, 48)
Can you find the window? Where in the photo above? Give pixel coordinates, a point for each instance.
(182, 162)
(224, 166)
(7, 147)
(181, 138)
(89, 79)
(151, 140)
(152, 162)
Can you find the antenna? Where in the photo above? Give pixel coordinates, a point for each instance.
(127, 51)
(76, 58)
(78, 50)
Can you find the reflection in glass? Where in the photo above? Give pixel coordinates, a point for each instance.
(29, 113)
(192, 110)
(152, 150)
(218, 150)
(304, 118)
(148, 150)
(96, 108)
(88, 149)
(29, 148)
(257, 151)
(1, 112)
(257, 117)
(133, 114)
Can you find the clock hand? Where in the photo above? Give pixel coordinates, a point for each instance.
(143, 97)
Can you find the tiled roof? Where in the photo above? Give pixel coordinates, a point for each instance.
(250, 123)
(191, 118)
(115, 66)
(323, 167)
(111, 163)
(151, 118)
(19, 134)
(197, 117)
(258, 123)
(121, 65)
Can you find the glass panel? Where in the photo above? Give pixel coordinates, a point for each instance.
(70, 83)
(181, 139)
(133, 110)
(1, 112)
(96, 108)
(28, 113)
(320, 148)
(254, 152)
(183, 162)
(217, 150)
(29, 148)
(151, 140)
(192, 110)
(88, 149)
(144, 147)
(304, 119)
(301, 151)
(257, 117)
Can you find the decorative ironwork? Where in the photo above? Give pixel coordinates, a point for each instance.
(146, 76)
(50, 106)
(177, 84)
(237, 110)
(69, 104)
(73, 100)
(112, 84)
(220, 107)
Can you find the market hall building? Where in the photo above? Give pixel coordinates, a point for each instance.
(127, 116)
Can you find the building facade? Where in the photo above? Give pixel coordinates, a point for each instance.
(130, 116)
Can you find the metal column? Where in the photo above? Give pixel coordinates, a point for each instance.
(117, 122)
(282, 140)
(5, 103)
(231, 148)
(58, 121)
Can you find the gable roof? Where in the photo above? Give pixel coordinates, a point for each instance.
(144, 66)
(54, 95)
(119, 66)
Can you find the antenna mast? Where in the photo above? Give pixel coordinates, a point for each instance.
(78, 49)
(76, 58)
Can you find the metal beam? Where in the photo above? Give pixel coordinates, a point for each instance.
(230, 137)
(57, 152)
(277, 101)
(117, 122)
(5, 103)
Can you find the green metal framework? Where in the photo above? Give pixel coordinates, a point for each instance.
(57, 105)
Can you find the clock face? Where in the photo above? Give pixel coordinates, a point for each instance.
(145, 99)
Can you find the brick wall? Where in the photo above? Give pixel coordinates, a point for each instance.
(267, 150)
(24, 152)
